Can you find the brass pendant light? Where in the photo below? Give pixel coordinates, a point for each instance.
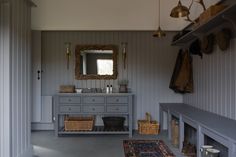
(159, 32)
(183, 11)
(179, 11)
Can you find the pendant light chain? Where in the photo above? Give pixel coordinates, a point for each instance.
(159, 12)
(159, 33)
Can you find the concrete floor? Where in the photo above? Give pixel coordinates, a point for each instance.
(47, 145)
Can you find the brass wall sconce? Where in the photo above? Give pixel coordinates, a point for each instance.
(124, 53)
(159, 32)
(68, 54)
(183, 11)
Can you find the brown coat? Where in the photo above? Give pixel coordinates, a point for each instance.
(182, 78)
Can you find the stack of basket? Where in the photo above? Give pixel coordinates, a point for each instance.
(148, 127)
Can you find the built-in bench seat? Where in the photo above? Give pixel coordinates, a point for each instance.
(219, 128)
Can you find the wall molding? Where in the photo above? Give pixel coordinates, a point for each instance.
(42, 126)
(27, 153)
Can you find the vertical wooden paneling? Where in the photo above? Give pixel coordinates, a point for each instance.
(214, 82)
(5, 134)
(150, 62)
(20, 78)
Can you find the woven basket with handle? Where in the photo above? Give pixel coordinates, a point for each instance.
(147, 126)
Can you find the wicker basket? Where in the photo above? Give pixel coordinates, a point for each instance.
(210, 12)
(67, 88)
(79, 123)
(148, 127)
(175, 132)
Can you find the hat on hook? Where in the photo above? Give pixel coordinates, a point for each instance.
(223, 38)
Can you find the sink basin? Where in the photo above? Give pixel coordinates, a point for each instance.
(92, 90)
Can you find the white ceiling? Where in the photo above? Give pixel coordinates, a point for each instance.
(107, 14)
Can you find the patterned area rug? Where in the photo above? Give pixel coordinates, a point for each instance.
(146, 148)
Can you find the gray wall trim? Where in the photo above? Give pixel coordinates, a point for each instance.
(5, 114)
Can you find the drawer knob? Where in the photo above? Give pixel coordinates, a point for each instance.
(69, 109)
(69, 99)
(117, 100)
(117, 109)
(93, 100)
(93, 109)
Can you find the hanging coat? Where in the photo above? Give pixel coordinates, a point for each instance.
(182, 77)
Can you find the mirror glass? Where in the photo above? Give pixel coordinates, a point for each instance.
(96, 62)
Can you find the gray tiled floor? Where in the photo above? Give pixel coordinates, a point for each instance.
(47, 145)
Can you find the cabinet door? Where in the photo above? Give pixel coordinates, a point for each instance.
(46, 109)
(117, 99)
(69, 100)
(36, 77)
(117, 109)
(94, 100)
(93, 109)
(69, 109)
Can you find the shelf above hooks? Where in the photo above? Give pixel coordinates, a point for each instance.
(220, 18)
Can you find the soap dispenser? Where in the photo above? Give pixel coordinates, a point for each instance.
(110, 89)
(107, 89)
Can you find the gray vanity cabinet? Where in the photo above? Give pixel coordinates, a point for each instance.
(114, 104)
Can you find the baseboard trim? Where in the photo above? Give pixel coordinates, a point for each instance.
(42, 126)
(27, 153)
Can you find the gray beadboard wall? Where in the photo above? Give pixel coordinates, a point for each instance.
(5, 143)
(21, 78)
(150, 62)
(15, 79)
(215, 82)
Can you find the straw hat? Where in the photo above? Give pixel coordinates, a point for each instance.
(223, 38)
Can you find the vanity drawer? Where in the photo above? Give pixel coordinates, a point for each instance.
(117, 99)
(117, 109)
(69, 100)
(94, 100)
(93, 109)
(69, 109)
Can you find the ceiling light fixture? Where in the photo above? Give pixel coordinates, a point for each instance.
(159, 32)
(183, 11)
(179, 11)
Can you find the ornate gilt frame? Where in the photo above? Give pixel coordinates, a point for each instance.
(80, 48)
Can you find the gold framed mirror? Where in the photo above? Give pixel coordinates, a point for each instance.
(96, 62)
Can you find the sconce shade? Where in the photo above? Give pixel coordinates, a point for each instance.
(159, 33)
(179, 11)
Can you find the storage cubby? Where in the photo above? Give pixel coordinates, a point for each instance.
(224, 151)
(175, 131)
(190, 140)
